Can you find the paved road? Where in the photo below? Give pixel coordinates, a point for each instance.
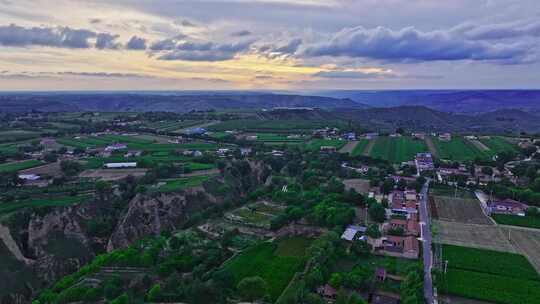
(426, 245)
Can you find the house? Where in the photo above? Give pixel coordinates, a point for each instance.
(420, 136)
(327, 291)
(329, 149)
(222, 151)
(245, 151)
(133, 153)
(252, 137)
(380, 274)
(29, 177)
(371, 135)
(195, 131)
(507, 206)
(354, 232)
(277, 153)
(401, 246)
(116, 147)
(121, 165)
(424, 162)
(349, 136)
(445, 137)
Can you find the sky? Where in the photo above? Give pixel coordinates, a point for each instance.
(269, 44)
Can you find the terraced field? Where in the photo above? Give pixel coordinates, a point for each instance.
(20, 165)
(397, 149)
(316, 144)
(274, 126)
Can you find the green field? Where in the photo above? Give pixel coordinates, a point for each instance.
(178, 184)
(498, 144)
(458, 149)
(277, 138)
(516, 220)
(316, 144)
(275, 126)
(275, 263)
(17, 135)
(21, 165)
(42, 202)
(397, 149)
(360, 147)
(486, 275)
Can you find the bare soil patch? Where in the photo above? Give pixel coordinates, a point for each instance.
(431, 146)
(473, 235)
(460, 210)
(478, 144)
(52, 169)
(358, 184)
(369, 147)
(112, 174)
(349, 147)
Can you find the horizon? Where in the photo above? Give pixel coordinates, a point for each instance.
(246, 45)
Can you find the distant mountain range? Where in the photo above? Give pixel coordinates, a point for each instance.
(456, 111)
(453, 101)
(140, 102)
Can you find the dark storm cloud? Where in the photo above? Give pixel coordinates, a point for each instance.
(136, 43)
(410, 44)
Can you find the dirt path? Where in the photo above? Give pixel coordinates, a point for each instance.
(369, 147)
(11, 245)
(349, 147)
(431, 146)
(201, 172)
(479, 145)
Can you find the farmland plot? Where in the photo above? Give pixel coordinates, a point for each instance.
(397, 149)
(498, 144)
(457, 149)
(527, 242)
(473, 235)
(460, 210)
(20, 165)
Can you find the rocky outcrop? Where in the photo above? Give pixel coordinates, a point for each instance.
(149, 215)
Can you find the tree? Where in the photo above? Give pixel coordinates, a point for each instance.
(154, 294)
(335, 280)
(70, 168)
(50, 157)
(377, 212)
(252, 288)
(387, 186)
(122, 299)
(373, 231)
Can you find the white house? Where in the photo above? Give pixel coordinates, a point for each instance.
(121, 165)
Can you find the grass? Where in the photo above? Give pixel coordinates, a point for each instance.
(17, 135)
(492, 288)
(17, 166)
(178, 184)
(266, 261)
(276, 126)
(42, 202)
(489, 261)
(458, 149)
(516, 220)
(293, 247)
(487, 275)
(277, 138)
(316, 144)
(360, 147)
(498, 144)
(397, 149)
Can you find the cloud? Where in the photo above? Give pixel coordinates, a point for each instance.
(373, 73)
(206, 51)
(242, 33)
(94, 20)
(136, 43)
(106, 41)
(499, 31)
(100, 74)
(410, 44)
(61, 37)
